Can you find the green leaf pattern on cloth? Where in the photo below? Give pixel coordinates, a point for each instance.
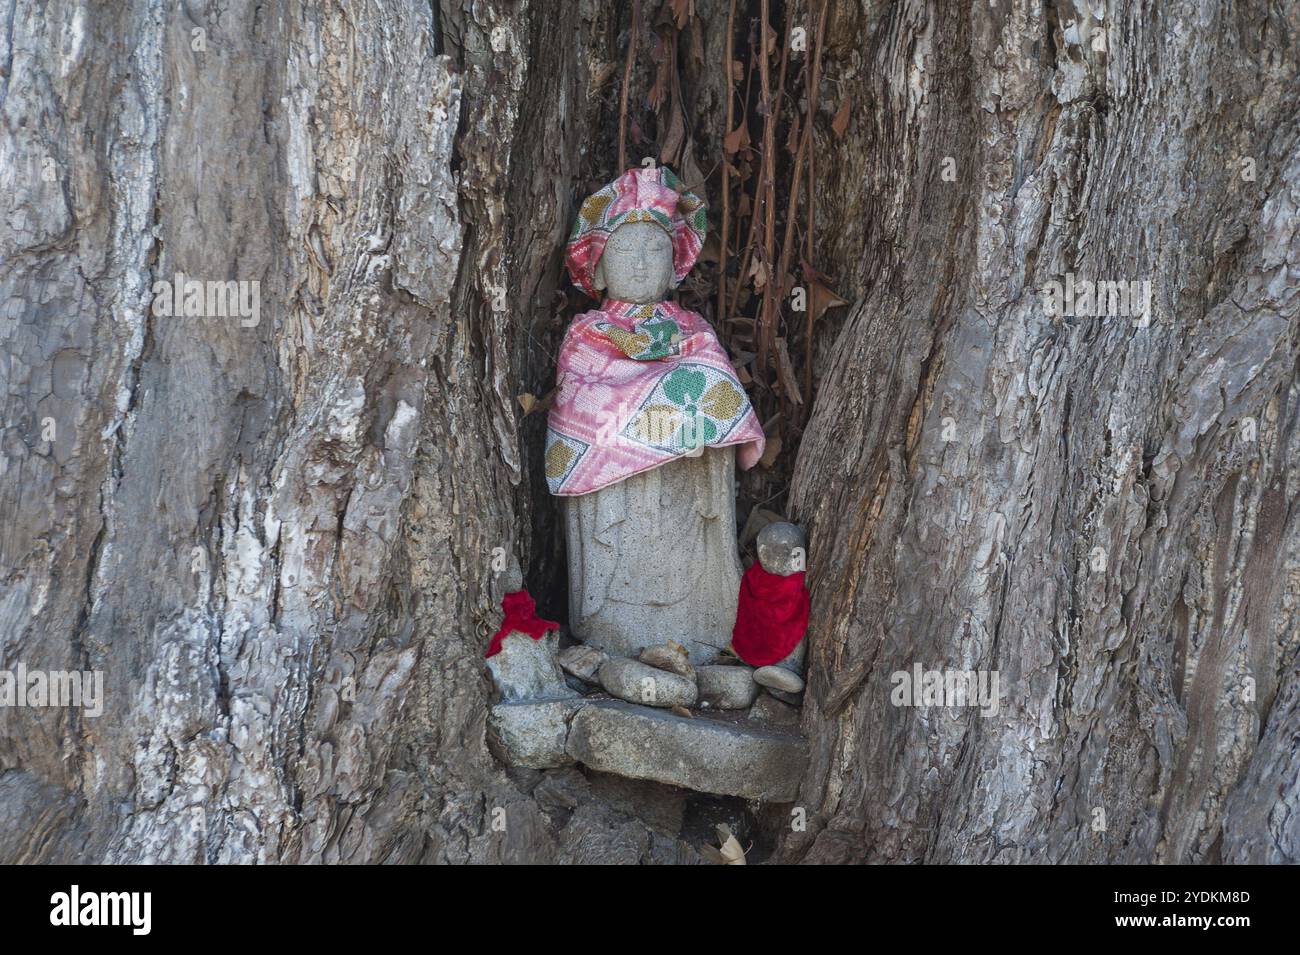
(690, 406)
(654, 334)
(684, 386)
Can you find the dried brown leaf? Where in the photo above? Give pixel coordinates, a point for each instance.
(759, 517)
(697, 42)
(730, 850)
(655, 97)
(736, 140)
(770, 450)
(674, 140)
(792, 138)
(743, 298)
(822, 297)
(713, 855)
(711, 251)
(603, 74)
(531, 403)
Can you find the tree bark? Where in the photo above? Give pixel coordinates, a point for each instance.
(278, 541)
(1102, 512)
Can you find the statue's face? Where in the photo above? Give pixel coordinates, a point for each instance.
(781, 548)
(637, 264)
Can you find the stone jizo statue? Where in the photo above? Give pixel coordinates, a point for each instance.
(644, 435)
(781, 556)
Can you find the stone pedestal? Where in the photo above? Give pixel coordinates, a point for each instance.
(638, 742)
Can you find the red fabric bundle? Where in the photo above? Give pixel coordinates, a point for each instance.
(771, 616)
(521, 615)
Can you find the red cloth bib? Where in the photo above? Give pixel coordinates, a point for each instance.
(521, 615)
(771, 616)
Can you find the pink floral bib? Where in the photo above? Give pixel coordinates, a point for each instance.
(639, 386)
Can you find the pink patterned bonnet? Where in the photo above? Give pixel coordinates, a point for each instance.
(652, 194)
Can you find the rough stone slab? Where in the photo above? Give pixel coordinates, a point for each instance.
(531, 734)
(701, 754)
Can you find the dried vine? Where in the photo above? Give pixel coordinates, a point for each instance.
(766, 291)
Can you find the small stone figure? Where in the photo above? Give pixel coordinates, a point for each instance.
(772, 615)
(521, 654)
(643, 438)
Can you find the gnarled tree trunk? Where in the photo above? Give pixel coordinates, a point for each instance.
(1102, 511)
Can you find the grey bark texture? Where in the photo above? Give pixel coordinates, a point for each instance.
(278, 542)
(1104, 513)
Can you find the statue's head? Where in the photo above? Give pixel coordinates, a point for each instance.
(781, 548)
(637, 264)
(637, 237)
